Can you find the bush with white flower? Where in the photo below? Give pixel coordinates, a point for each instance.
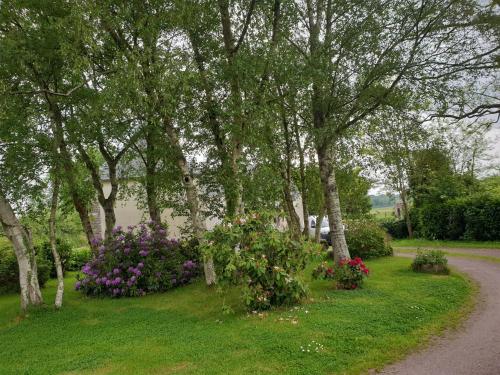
(250, 250)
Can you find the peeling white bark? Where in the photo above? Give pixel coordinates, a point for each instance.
(25, 254)
(192, 199)
(53, 244)
(332, 205)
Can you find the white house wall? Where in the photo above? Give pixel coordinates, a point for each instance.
(127, 213)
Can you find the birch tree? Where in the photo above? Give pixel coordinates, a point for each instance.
(361, 57)
(38, 68)
(140, 34)
(53, 242)
(25, 255)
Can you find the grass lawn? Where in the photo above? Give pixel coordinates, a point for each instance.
(457, 244)
(185, 332)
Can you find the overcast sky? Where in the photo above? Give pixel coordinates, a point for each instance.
(493, 154)
(494, 137)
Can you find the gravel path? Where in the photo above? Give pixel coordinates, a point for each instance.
(473, 349)
(488, 252)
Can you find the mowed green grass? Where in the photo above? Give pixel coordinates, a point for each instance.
(185, 332)
(451, 244)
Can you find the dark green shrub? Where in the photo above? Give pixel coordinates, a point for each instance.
(64, 250)
(476, 217)
(250, 250)
(395, 228)
(456, 219)
(433, 220)
(432, 261)
(325, 270)
(9, 270)
(482, 218)
(190, 249)
(79, 256)
(366, 239)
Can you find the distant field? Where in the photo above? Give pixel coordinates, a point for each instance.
(382, 212)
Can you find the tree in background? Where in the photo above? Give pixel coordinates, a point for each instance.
(393, 138)
(361, 57)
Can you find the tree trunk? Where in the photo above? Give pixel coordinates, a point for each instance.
(53, 244)
(78, 202)
(25, 255)
(83, 213)
(192, 198)
(235, 184)
(332, 204)
(151, 187)
(152, 200)
(107, 203)
(286, 172)
(238, 117)
(228, 161)
(109, 217)
(198, 224)
(409, 225)
(69, 171)
(319, 220)
(293, 218)
(303, 183)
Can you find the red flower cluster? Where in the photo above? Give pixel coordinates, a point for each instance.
(356, 262)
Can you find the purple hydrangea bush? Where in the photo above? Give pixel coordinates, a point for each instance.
(137, 261)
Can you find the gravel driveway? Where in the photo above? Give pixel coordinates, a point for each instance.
(474, 348)
(488, 252)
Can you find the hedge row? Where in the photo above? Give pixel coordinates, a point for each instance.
(72, 260)
(476, 217)
(9, 270)
(473, 218)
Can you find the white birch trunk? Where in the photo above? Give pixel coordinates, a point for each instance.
(53, 244)
(192, 200)
(332, 205)
(319, 221)
(25, 254)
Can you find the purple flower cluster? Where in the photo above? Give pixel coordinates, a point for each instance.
(137, 261)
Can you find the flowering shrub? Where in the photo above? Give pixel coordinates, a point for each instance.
(324, 271)
(432, 261)
(137, 261)
(250, 250)
(349, 273)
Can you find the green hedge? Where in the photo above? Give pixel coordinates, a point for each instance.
(9, 270)
(473, 218)
(396, 228)
(79, 256)
(65, 254)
